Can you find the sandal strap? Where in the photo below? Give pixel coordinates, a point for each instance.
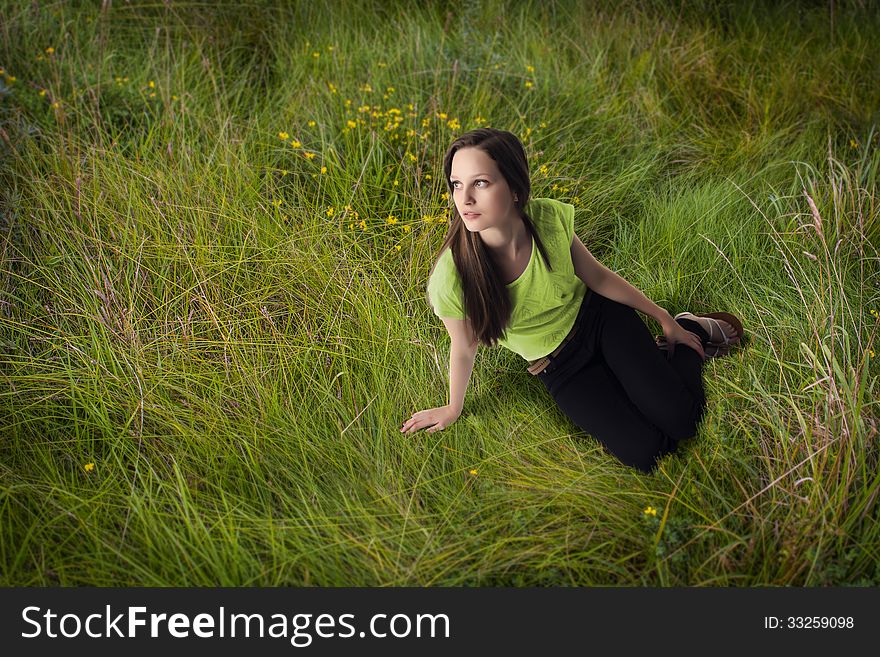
(725, 339)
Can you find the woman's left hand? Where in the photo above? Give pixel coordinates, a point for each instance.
(676, 334)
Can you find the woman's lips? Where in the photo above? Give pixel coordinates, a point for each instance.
(471, 215)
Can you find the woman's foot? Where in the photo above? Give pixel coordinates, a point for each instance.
(723, 330)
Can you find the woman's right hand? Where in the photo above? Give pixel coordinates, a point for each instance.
(436, 418)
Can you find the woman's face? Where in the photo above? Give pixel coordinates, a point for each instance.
(478, 187)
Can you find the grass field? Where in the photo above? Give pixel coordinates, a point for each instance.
(216, 226)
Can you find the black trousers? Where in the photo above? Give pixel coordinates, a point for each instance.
(615, 383)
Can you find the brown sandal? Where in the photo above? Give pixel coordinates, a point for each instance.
(716, 346)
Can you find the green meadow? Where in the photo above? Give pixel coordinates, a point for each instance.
(216, 227)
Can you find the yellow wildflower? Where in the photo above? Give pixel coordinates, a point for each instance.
(11, 78)
(323, 169)
(88, 467)
(650, 511)
(870, 353)
(332, 87)
(473, 472)
(277, 202)
(530, 69)
(311, 124)
(391, 219)
(853, 143)
(397, 247)
(873, 312)
(543, 169)
(42, 92)
(295, 143)
(56, 104)
(152, 94)
(529, 84)
(442, 116)
(316, 54)
(330, 211)
(445, 196)
(283, 135)
(50, 50)
(351, 124)
(362, 224)
(406, 228)
(151, 84)
(309, 156)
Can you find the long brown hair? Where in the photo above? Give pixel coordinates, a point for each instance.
(486, 298)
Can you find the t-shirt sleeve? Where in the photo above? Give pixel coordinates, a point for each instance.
(444, 289)
(565, 211)
(554, 221)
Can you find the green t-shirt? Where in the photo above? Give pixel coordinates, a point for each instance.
(545, 303)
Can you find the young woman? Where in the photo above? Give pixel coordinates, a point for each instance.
(511, 271)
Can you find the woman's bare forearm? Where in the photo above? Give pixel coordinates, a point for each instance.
(461, 364)
(616, 288)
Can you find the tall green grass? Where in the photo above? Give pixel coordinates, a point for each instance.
(207, 344)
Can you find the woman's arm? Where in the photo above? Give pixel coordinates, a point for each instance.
(462, 354)
(604, 281)
(461, 364)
